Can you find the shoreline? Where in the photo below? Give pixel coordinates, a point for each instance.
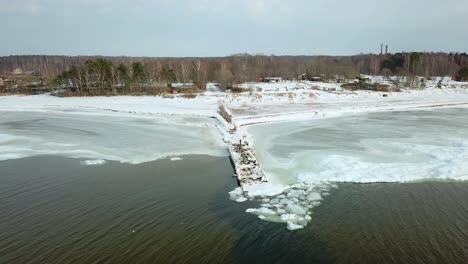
(326, 105)
(291, 204)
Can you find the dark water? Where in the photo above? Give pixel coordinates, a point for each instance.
(54, 210)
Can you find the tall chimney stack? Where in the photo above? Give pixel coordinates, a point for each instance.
(386, 49)
(381, 49)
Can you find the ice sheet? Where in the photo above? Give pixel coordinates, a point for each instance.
(376, 147)
(128, 139)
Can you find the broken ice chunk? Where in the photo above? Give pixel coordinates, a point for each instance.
(261, 211)
(314, 196)
(295, 209)
(292, 226)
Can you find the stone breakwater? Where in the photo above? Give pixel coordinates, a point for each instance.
(291, 205)
(248, 169)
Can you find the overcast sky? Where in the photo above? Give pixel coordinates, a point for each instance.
(223, 27)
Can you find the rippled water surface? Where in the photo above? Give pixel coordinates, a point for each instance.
(55, 210)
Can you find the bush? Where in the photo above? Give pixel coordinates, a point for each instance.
(189, 95)
(393, 62)
(237, 90)
(462, 74)
(366, 86)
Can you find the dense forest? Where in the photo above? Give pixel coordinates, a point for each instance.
(82, 72)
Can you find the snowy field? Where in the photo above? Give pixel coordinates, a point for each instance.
(100, 136)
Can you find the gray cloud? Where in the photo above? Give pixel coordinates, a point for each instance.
(222, 27)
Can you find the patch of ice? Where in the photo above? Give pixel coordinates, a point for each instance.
(241, 199)
(176, 159)
(261, 211)
(288, 217)
(281, 211)
(292, 226)
(236, 192)
(274, 201)
(314, 196)
(385, 147)
(126, 139)
(295, 209)
(93, 162)
(264, 189)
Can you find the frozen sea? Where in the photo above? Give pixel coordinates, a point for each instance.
(100, 136)
(375, 147)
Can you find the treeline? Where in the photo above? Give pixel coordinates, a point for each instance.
(131, 72)
(101, 74)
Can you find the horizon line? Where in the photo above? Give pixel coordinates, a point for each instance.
(230, 55)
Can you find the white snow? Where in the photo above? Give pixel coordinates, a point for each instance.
(141, 105)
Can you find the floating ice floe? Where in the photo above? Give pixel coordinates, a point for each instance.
(236, 194)
(264, 189)
(292, 226)
(261, 211)
(295, 209)
(93, 162)
(241, 199)
(292, 206)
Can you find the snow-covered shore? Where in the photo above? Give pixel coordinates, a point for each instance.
(282, 104)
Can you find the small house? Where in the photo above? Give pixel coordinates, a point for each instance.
(270, 79)
(307, 77)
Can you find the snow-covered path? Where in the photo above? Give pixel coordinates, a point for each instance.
(335, 104)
